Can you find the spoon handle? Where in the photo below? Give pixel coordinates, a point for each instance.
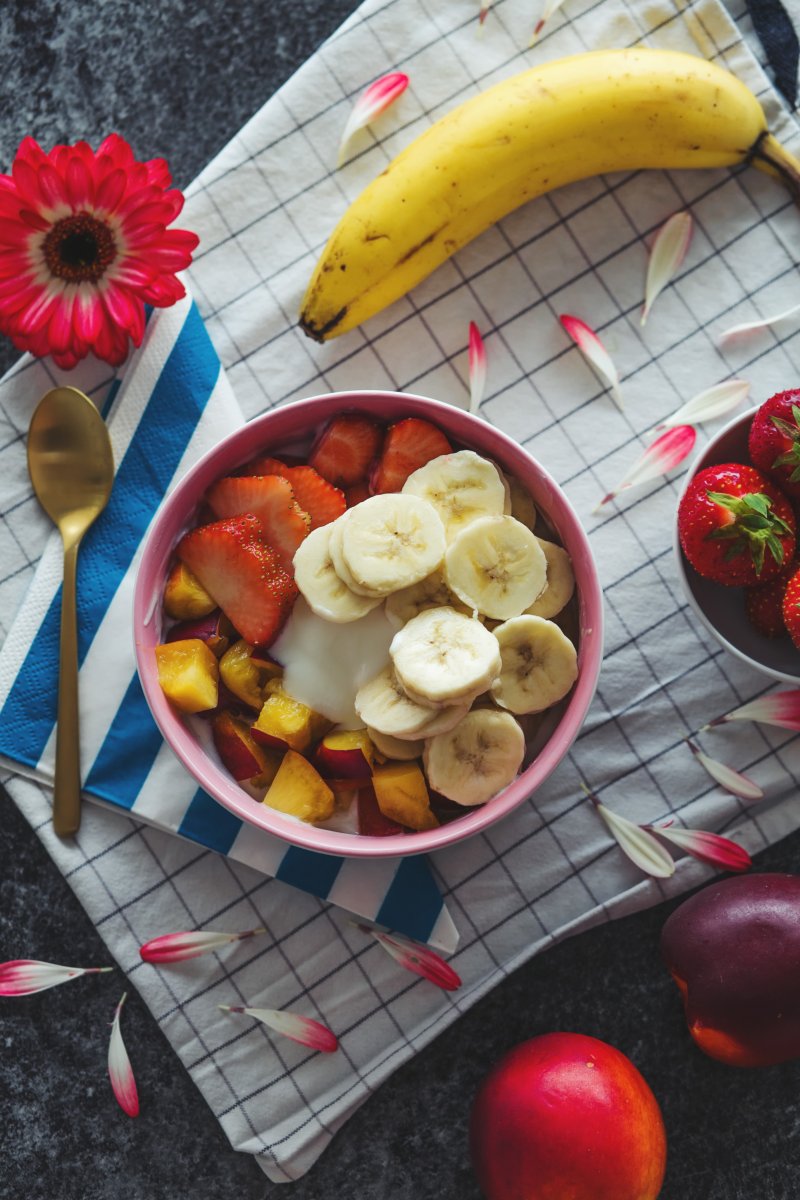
(67, 793)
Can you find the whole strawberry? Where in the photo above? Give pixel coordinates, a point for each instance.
(735, 526)
(763, 605)
(791, 608)
(774, 440)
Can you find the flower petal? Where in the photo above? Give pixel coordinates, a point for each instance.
(660, 457)
(416, 957)
(120, 1071)
(477, 367)
(640, 846)
(550, 8)
(666, 255)
(374, 100)
(177, 947)
(732, 781)
(714, 402)
(762, 323)
(589, 344)
(24, 976)
(709, 848)
(779, 708)
(300, 1029)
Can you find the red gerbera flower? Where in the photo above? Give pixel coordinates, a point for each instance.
(84, 245)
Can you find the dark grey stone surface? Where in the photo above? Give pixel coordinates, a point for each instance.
(178, 78)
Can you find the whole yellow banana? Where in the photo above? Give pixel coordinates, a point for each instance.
(605, 110)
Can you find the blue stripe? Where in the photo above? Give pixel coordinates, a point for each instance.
(167, 424)
(207, 822)
(412, 903)
(309, 871)
(127, 753)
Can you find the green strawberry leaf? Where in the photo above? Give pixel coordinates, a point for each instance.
(724, 500)
(786, 428)
(758, 502)
(757, 551)
(775, 547)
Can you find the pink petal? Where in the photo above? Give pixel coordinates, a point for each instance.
(732, 781)
(709, 848)
(763, 323)
(714, 402)
(662, 456)
(120, 1071)
(589, 344)
(666, 255)
(634, 840)
(477, 367)
(300, 1029)
(177, 947)
(779, 708)
(371, 103)
(24, 976)
(550, 8)
(416, 957)
(485, 6)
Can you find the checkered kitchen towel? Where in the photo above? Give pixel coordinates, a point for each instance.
(264, 208)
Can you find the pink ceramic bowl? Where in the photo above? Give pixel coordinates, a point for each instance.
(297, 423)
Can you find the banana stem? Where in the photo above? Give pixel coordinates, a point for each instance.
(770, 156)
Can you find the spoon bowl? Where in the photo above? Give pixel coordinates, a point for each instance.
(72, 469)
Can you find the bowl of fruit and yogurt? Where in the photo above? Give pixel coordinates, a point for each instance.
(368, 623)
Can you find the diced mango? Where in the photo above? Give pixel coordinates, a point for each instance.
(189, 674)
(402, 795)
(185, 598)
(299, 790)
(286, 722)
(245, 678)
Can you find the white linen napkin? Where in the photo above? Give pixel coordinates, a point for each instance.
(263, 209)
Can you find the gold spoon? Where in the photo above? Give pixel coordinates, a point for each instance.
(72, 469)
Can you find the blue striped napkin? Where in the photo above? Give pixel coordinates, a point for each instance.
(172, 404)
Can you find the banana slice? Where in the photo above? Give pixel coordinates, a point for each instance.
(540, 664)
(560, 582)
(340, 566)
(319, 582)
(444, 657)
(398, 749)
(522, 506)
(391, 541)
(461, 487)
(477, 758)
(382, 704)
(496, 566)
(431, 592)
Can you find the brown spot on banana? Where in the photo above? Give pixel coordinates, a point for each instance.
(320, 332)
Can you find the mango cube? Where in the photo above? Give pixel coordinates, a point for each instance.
(185, 598)
(299, 790)
(287, 723)
(402, 795)
(189, 674)
(245, 678)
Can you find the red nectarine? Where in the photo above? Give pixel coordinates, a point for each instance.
(567, 1117)
(734, 951)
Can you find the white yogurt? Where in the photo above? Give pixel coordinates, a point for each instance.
(325, 663)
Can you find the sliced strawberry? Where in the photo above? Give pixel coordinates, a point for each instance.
(271, 499)
(321, 500)
(371, 820)
(408, 445)
(358, 492)
(345, 449)
(791, 608)
(764, 605)
(242, 573)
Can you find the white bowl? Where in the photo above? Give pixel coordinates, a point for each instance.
(721, 609)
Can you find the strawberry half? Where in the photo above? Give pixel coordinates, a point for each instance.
(242, 573)
(321, 500)
(763, 605)
(345, 449)
(791, 608)
(735, 526)
(408, 445)
(774, 440)
(271, 499)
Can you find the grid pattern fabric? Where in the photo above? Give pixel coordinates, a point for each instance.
(264, 208)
